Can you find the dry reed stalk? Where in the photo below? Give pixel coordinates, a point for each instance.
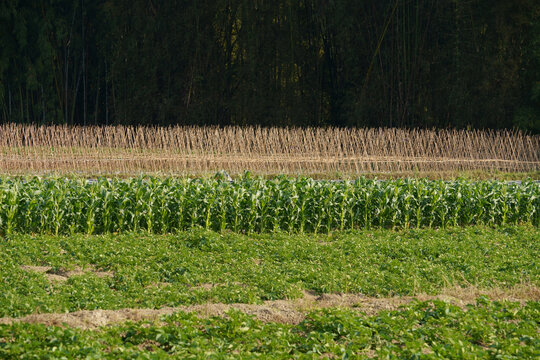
(194, 150)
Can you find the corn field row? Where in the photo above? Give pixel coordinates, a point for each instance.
(303, 205)
(194, 150)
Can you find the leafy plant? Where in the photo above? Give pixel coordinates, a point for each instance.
(303, 205)
(421, 330)
(150, 271)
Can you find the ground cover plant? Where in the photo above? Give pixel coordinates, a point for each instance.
(423, 330)
(149, 271)
(253, 204)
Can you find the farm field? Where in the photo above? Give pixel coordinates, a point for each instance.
(268, 266)
(456, 292)
(270, 179)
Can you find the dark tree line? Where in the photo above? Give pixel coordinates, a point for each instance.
(459, 63)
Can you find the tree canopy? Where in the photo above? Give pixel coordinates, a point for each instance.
(381, 63)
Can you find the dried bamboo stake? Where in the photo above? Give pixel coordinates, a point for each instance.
(193, 150)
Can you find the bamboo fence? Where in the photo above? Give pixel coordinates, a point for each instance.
(187, 150)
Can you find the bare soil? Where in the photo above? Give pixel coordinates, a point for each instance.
(62, 275)
(282, 311)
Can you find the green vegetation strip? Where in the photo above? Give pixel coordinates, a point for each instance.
(303, 205)
(152, 271)
(487, 330)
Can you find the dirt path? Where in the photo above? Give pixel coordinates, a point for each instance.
(281, 311)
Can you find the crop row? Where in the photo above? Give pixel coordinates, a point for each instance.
(164, 205)
(140, 270)
(438, 330)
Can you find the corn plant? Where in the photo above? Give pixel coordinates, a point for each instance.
(302, 205)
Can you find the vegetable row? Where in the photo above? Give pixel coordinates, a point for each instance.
(301, 205)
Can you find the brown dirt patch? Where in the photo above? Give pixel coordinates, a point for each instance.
(520, 293)
(204, 286)
(88, 319)
(60, 275)
(281, 311)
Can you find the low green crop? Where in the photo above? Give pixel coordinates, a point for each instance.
(487, 330)
(152, 271)
(60, 206)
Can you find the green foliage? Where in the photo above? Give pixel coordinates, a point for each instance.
(150, 271)
(380, 63)
(61, 206)
(421, 330)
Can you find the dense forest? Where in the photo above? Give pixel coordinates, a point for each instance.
(404, 63)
